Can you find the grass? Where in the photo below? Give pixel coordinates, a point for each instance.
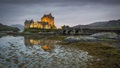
(56, 37)
(109, 40)
(49, 37)
(108, 55)
(36, 30)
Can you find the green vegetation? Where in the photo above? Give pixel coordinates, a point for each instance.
(105, 56)
(8, 28)
(56, 37)
(36, 30)
(109, 40)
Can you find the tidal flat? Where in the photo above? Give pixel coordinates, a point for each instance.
(44, 51)
(39, 52)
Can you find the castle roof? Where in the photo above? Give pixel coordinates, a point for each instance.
(48, 15)
(29, 21)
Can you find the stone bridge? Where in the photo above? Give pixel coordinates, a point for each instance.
(71, 31)
(78, 31)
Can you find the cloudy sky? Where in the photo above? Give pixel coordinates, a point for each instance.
(66, 12)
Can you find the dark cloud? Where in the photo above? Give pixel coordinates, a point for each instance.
(65, 11)
(65, 2)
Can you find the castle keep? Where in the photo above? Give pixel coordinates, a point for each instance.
(47, 22)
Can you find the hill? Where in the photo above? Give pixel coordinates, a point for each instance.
(21, 27)
(8, 28)
(112, 24)
(106, 23)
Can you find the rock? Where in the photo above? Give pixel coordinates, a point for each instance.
(109, 35)
(80, 39)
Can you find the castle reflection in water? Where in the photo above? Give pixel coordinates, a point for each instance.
(46, 45)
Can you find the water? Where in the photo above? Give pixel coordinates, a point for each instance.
(39, 52)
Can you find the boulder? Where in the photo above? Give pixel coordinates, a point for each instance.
(80, 39)
(109, 35)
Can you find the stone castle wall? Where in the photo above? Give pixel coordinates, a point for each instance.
(47, 22)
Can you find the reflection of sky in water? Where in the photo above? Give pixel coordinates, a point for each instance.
(14, 53)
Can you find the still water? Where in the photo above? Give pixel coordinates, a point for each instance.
(39, 52)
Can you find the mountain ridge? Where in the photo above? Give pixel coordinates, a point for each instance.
(8, 28)
(104, 24)
(21, 27)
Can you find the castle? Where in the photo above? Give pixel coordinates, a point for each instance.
(47, 22)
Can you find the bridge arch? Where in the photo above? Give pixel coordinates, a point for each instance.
(70, 32)
(64, 31)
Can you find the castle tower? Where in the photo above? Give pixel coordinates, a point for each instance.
(49, 19)
(27, 23)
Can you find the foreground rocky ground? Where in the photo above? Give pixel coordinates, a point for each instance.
(104, 47)
(99, 50)
(16, 53)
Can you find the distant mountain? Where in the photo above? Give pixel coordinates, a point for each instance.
(21, 27)
(105, 24)
(8, 28)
